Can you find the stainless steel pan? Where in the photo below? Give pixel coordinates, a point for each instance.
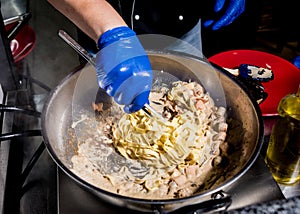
(245, 133)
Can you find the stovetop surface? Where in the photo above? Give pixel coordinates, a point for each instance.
(47, 189)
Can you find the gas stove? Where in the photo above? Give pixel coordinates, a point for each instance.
(33, 183)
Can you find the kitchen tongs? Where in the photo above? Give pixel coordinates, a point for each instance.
(20, 21)
(70, 41)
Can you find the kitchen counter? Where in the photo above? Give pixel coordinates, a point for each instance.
(290, 205)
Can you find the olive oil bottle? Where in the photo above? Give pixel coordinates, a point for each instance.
(283, 152)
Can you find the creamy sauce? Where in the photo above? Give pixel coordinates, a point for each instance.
(131, 172)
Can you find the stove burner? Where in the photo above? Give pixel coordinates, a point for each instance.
(35, 184)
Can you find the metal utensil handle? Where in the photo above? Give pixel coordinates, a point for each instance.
(70, 41)
(23, 20)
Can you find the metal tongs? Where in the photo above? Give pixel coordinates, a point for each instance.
(20, 21)
(70, 41)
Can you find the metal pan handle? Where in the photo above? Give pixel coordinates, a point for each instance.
(220, 202)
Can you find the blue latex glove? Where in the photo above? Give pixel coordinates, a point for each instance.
(233, 10)
(296, 61)
(123, 68)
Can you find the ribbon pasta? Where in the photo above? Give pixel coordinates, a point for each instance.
(184, 139)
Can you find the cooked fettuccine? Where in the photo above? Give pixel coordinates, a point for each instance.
(156, 159)
(179, 140)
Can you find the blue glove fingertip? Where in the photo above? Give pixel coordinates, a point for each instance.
(138, 102)
(219, 5)
(216, 26)
(296, 61)
(207, 23)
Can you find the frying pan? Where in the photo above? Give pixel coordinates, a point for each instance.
(245, 134)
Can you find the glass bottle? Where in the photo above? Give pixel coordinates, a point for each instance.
(283, 152)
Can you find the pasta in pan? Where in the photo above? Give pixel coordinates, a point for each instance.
(156, 159)
(166, 144)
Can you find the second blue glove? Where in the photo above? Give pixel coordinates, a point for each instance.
(123, 68)
(234, 8)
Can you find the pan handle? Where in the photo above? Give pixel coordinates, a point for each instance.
(220, 202)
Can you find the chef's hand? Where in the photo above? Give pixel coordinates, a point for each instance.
(233, 10)
(123, 68)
